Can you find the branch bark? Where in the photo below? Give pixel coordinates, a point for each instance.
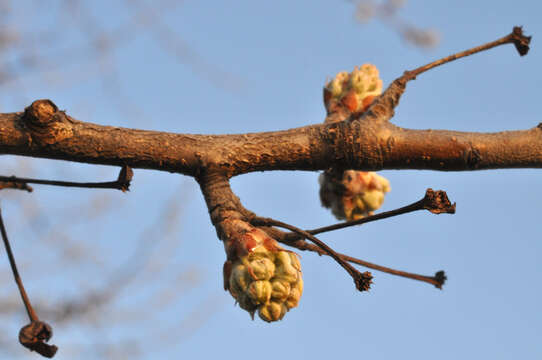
(347, 140)
(361, 144)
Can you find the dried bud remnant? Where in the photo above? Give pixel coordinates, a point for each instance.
(521, 42)
(35, 335)
(437, 202)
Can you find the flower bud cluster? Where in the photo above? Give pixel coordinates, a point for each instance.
(352, 194)
(264, 277)
(355, 90)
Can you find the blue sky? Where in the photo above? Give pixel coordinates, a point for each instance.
(256, 66)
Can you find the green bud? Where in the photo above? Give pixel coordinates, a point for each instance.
(372, 199)
(280, 290)
(262, 279)
(262, 269)
(272, 311)
(239, 280)
(357, 81)
(259, 291)
(285, 270)
(295, 294)
(246, 304)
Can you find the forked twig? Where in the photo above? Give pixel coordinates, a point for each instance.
(362, 280)
(436, 202)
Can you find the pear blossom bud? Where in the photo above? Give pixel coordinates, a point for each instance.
(280, 290)
(354, 90)
(259, 291)
(352, 194)
(272, 311)
(261, 276)
(295, 294)
(261, 269)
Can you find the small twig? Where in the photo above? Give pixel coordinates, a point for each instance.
(436, 202)
(437, 280)
(122, 182)
(15, 185)
(516, 37)
(383, 106)
(362, 280)
(34, 335)
(31, 313)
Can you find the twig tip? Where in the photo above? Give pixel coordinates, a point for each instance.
(437, 202)
(440, 278)
(34, 337)
(363, 281)
(521, 42)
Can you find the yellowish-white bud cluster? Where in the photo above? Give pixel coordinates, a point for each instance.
(355, 195)
(355, 90)
(266, 279)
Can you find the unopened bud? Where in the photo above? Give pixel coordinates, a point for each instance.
(272, 311)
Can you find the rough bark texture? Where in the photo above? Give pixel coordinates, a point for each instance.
(365, 143)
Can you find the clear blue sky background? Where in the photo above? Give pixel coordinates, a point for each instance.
(255, 66)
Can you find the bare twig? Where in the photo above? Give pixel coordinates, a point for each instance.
(437, 280)
(34, 335)
(15, 185)
(31, 313)
(362, 280)
(516, 37)
(382, 109)
(436, 202)
(122, 183)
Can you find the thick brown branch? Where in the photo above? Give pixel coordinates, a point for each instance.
(361, 145)
(369, 143)
(454, 151)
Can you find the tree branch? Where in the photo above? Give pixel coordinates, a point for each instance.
(358, 145)
(122, 183)
(368, 142)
